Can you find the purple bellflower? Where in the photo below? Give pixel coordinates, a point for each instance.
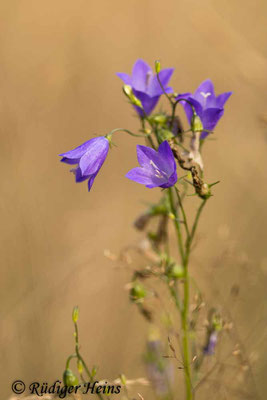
(209, 349)
(145, 85)
(208, 106)
(157, 168)
(89, 158)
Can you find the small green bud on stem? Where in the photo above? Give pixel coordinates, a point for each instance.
(137, 292)
(157, 66)
(196, 124)
(127, 90)
(75, 314)
(176, 271)
(69, 378)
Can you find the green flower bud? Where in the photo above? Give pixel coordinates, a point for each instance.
(123, 379)
(75, 314)
(127, 90)
(80, 366)
(129, 93)
(205, 191)
(176, 271)
(137, 292)
(69, 378)
(136, 101)
(196, 124)
(217, 323)
(94, 371)
(157, 66)
(165, 134)
(159, 119)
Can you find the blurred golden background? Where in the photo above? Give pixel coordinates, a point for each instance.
(58, 89)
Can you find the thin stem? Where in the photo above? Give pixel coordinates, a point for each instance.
(175, 297)
(185, 342)
(193, 231)
(125, 130)
(177, 225)
(77, 350)
(69, 360)
(185, 309)
(164, 91)
(183, 211)
(148, 137)
(185, 254)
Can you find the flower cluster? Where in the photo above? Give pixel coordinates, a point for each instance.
(169, 149)
(157, 163)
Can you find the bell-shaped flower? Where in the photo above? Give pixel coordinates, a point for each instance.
(89, 158)
(145, 85)
(157, 168)
(208, 106)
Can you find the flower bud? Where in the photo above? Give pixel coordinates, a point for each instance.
(164, 134)
(160, 119)
(176, 271)
(157, 66)
(196, 124)
(217, 322)
(123, 379)
(69, 378)
(94, 371)
(137, 292)
(80, 366)
(129, 93)
(75, 314)
(127, 90)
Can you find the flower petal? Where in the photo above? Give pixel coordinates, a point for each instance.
(145, 177)
(95, 156)
(167, 155)
(210, 118)
(78, 152)
(145, 155)
(171, 181)
(155, 162)
(148, 103)
(140, 75)
(154, 88)
(78, 175)
(91, 181)
(205, 92)
(70, 161)
(188, 108)
(222, 98)
(125, 78)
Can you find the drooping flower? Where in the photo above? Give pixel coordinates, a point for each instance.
(145, 85)
(159, 369)
(89, 158)
(209, 349)
(208, 106)
(157, 168)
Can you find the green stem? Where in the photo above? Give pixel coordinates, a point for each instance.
(183, 211)
(185, 255)
(164, 91)
(186, 303)
(177, 225)
(148, 137)
(77, 350)
(185, 342)
(185, 309)
(193, 231)
(126, 131)
(69, 360)
(175, 297)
